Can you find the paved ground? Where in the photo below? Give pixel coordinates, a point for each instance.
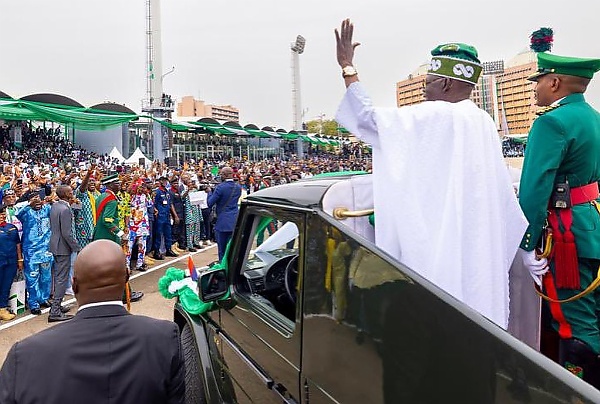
(516, 162)
(152, 305)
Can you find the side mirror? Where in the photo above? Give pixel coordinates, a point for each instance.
(213, 285)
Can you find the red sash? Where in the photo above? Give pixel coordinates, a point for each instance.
(564, 252)
(109, 197)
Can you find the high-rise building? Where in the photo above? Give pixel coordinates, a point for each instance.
(503, 91)
(191, 107)
(410, 91)
(516, 95)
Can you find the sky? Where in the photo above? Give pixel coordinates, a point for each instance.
(237, 52)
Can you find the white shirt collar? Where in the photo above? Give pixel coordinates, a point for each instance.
(97, 304)
(557, 101)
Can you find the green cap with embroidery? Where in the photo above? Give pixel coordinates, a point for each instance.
(580, 67)
(457, 61)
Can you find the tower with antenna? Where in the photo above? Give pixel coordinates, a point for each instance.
(156, 102)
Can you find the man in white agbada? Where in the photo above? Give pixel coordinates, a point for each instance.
(444, 201)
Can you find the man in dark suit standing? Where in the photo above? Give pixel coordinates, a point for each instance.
(113, 357)
(225, 197)
(62, 244)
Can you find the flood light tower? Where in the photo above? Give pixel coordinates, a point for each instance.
(297, 49)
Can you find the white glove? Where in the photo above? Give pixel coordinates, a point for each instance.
(537, 267)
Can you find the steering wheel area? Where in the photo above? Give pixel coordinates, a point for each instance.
(291, 278)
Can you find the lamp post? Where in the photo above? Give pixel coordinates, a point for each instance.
(297, 49)
(165, 74)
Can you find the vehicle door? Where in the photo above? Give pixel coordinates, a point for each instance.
(260, 337)
(375, 331)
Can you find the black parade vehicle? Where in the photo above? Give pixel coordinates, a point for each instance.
(309, 310)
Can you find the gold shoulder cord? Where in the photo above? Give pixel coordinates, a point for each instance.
(579, 295)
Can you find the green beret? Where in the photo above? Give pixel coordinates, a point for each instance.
(457, 61)
(580, 67)
(109, 178)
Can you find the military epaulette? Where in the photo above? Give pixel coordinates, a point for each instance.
(544, 110)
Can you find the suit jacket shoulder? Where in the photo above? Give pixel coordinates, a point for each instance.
(129, 358)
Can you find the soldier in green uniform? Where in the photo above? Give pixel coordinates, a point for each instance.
(107, 218)
(559, 188)
(107, 215)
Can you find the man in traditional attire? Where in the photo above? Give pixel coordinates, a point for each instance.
(124, 206)
(138, 226)
(559, 186)
(10, 199)
(444, 202)
(107, 218)
(85, 213)
(35, 218)
(193, 220)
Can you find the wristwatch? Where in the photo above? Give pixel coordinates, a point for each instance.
(349, 71)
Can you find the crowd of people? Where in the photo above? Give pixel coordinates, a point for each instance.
(161, 210)
(511, 148)
(42, 148)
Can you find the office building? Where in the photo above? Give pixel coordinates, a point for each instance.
(191, 107)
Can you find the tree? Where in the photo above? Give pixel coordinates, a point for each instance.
(326, 127)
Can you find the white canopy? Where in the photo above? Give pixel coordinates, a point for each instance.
(116, 154)
(135, 158)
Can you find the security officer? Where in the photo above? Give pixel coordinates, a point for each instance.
(559, 185)
(10, 260)
(164, 211)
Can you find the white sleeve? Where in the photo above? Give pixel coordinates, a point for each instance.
(357, 114)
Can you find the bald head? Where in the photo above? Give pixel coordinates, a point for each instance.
(64, 192)
(100, 273)
(227, 173)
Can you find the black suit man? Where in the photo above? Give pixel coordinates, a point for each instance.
(225, 197)
(62, 244)
(107, 355)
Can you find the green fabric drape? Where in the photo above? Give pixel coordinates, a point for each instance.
(79, 118)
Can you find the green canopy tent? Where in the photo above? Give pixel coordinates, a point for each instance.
(256, 132)
(291, 135)
(236, 128)
(76, 117)
(178, 126)
(212, 126)
(271, 132)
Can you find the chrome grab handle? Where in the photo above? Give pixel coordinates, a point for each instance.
(342, 213)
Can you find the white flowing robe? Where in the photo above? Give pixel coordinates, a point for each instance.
(443, 198)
